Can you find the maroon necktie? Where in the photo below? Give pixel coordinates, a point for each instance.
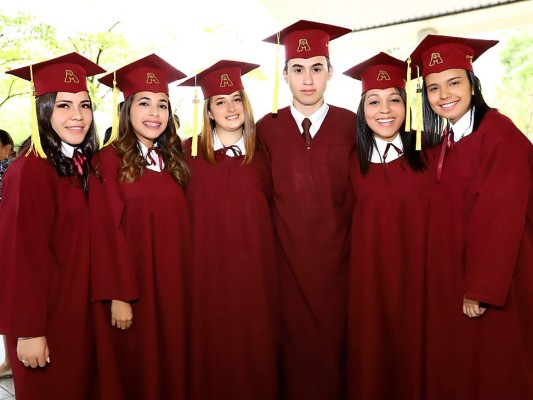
(306, 124)
(387, 148)
(447, 143)
(221, 153)
(150, 158)
(79, 159)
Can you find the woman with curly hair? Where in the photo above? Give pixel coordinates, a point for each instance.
(44, 230)
(140, 241)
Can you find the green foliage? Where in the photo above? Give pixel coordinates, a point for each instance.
(516, 94)
(24, 40)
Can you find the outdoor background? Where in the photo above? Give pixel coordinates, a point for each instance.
(192, 35)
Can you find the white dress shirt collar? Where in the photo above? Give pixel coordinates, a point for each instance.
(316, 118)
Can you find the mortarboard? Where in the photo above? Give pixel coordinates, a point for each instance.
(221, 78)
(303, 39)
(437, 53)
(379, 72)
(148, 74)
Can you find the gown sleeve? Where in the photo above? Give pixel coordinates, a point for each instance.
(27, 215)
(498, 218)
(112, 273)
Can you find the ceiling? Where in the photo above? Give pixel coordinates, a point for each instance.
(392, 23)
(363, 15)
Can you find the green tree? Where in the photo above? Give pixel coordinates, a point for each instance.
(22, 40)
(25, 40)
(516, 93)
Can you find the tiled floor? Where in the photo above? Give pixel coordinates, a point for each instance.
(7, 390)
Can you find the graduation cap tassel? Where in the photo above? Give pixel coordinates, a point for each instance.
(194, 144)
(419, 122)
(276, 79)
(408, 97)
(114, 124)
(35, 144)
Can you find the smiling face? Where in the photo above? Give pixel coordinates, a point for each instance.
(449, 93)
(227, 111)
(384, 112)
(149, 115)
(308, 79)
(72, 116)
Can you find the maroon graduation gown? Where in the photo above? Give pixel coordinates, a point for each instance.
(44, 285)
(312, 217)
(480, 246)
(234, 329)
(386, 307)
(140, 247)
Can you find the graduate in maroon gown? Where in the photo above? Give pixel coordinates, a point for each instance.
(140, 241)
(44, 231)
(480, 239)
(312, 214)
(387, 256)
(234, 327)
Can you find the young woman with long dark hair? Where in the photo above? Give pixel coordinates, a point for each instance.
(480, 237)
(44, 227)
(387, 269)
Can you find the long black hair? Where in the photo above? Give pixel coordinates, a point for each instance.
(434, 124)
(51, 142)
(366, 141)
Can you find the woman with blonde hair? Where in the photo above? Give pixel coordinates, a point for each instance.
(234, 301)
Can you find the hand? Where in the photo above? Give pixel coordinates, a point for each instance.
(33, 352)
(472, 308)
(121, 314)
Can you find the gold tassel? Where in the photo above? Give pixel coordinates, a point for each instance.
(419, 111)
(408, 97)
(114, 124)
(35, 143)
(276, 80)
(194, 144)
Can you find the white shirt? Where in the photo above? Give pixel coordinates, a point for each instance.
(144, 153)
(379, 150)
(67, 149)
(464, 126)
(316, 118)
(217, 145)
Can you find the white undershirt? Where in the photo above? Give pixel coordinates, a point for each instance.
(67, 149)
(464, 126)
(316, 118)
(379, 149)
(144, 153)
(217, 145)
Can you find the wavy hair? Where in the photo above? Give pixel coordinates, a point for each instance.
(248, 131)
(133, 163)
(366, 141)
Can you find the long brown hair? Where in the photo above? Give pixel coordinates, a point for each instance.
(248, 131)
(133, 163)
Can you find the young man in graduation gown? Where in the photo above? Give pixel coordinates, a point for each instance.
(312, 213)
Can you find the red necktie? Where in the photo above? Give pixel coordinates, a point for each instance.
(387, 148)
(306, 124)
(79, 159)
(221, 153)
(447, 143)
(150, 158)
